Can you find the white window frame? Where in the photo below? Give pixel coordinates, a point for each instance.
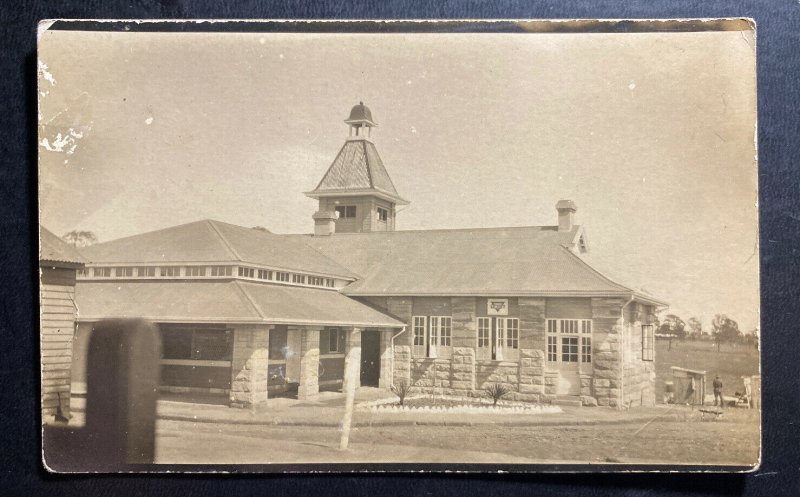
(505, 351)
(557, 329)
(505, 345)
(648, 342)
(344, 210)
(221, 271)
(419, 324)
(146, 271)
(436, 333)
(101, 272)
(484, 331)
(552, 348)
(440, 336)
(169, 271)
(570, 341)
(586, 349)
(124, 271)
(383, 214)
(195, 271)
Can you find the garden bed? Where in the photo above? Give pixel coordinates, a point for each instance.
(459, 405)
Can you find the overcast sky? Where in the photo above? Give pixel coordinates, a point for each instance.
(652, 135)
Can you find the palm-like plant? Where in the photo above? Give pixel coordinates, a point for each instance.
(496, 391)
(402, 389)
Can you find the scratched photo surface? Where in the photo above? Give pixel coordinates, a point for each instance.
(509, 249)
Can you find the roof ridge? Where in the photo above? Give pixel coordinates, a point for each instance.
(367, 165)
(224, 240)
(168, 228)
(248, 298)
(387, 175)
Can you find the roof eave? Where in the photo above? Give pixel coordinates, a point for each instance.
(646, 299)
(317, 194)
(484, 293)
(228, 320)
(61, 264)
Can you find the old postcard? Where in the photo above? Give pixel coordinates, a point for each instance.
(365, 245)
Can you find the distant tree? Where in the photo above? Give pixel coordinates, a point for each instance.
(695, 327)
(725, 329)
(751, 338)
(260, 228)
(80, 238)
(676, 324)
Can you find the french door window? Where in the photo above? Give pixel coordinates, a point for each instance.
(498, 338)
(569, 341)
(432, 336)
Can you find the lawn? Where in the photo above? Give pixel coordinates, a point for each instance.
(732, 440)
(731, 363)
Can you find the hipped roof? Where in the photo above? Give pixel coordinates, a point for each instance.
(215, 242)
(518, 261)
(223, 302)
(54, 249)
(357, 169)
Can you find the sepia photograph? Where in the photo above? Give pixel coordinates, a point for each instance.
(336, 246)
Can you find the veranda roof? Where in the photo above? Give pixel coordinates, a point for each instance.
(223, 302)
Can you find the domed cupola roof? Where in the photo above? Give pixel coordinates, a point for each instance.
(360, 115)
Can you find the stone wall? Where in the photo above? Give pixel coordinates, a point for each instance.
(606, 345)
(402, 365)
(617, 377)
(249, 363)
(531, 375)
(462, 371)
(309, 363)
(639, 376)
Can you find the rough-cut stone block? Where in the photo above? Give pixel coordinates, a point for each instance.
(537, 389)
(588, 401)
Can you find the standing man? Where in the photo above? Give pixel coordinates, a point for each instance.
(718, 391)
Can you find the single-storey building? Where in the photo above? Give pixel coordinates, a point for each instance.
(58, 263)
(245, 311)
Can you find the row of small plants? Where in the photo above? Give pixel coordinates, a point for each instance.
(495, 391)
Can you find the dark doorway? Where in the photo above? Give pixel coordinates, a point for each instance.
(370, 358)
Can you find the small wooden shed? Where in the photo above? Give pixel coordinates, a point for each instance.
(690, 386)
(58, 262)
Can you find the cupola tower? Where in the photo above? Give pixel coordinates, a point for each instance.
(356, 194)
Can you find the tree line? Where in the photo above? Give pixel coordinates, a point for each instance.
(723, 330)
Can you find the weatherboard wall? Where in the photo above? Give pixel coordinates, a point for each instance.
(57, 321)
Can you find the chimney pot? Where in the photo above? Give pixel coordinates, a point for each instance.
(324, 223)
(566, 214)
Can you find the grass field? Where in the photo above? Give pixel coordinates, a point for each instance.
(731, 363)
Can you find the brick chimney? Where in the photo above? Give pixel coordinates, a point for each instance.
(325, 223)
(566, 214)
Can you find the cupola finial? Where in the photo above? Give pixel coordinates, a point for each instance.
(360, 121)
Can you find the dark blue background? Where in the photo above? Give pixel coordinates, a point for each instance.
(778, 42)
